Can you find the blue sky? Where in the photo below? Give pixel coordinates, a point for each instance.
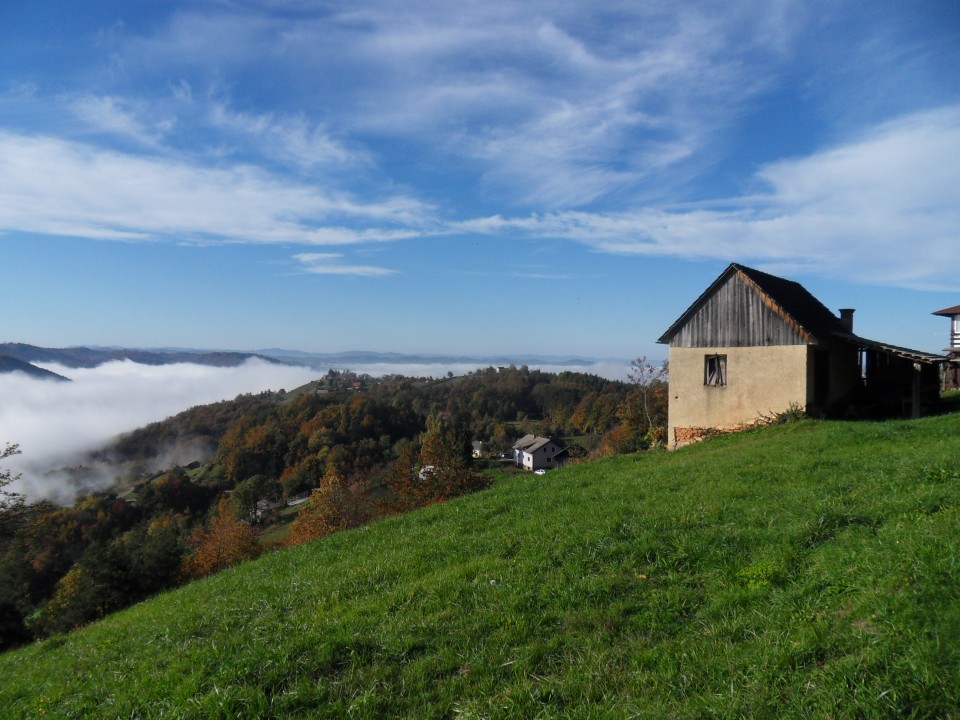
(558, 178)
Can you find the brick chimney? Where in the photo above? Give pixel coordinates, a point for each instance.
(846, 318)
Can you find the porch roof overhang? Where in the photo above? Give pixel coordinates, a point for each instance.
(918, 356)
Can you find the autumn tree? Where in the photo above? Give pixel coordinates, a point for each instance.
(304, 475)
(403, 480)
(98, 584)
(248, 495)
(616, 441)
(250, 448)
(53, 539)
(174, 492)
(644, 412)
(156, 549)
(60, 613)
(332, 507)
(224, 542)
(445, 470)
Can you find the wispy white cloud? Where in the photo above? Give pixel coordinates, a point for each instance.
(558, 108)
(595, 120)
(631, 119)
(541, 276)
(217, 38)
(882, 208)
(548, 106)
(292, 140)
(120, 117)
(57, 187)
(331, 264)
(555, 105)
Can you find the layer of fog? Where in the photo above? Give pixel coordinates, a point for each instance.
(56, 423)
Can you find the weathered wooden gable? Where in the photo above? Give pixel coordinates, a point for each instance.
(738, 314)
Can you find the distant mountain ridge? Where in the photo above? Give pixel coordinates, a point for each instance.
(92, 356)
(86, 357)
(11, 365)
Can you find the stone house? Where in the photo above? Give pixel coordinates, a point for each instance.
(754, 344)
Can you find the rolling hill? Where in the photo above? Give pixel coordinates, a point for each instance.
(11, 365)
(805, 570)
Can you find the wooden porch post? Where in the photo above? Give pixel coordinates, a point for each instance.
(916, 390)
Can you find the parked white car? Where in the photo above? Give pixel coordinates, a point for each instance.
(541, 471)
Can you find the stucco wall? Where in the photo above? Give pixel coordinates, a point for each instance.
(760, 380)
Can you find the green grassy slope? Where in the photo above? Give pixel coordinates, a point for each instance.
(810, 570)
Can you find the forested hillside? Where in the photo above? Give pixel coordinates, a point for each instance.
(360, 445)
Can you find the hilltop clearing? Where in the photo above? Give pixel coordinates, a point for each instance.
(806, 570)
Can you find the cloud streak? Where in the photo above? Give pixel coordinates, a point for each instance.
(114, 116)
(849, 208)
(883, 208)
(260, 122)
(547, 103)
(103, 194)
(291, 140)
(330, 264)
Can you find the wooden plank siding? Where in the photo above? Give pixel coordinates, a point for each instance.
(739, 314)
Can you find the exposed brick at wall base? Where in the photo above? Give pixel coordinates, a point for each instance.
(688, 435)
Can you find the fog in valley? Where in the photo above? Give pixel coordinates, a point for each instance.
(55, 423)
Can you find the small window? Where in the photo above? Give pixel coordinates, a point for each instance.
(715, 370)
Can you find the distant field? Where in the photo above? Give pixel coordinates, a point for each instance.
(808, 570)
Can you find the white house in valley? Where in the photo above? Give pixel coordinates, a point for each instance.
(535, 453)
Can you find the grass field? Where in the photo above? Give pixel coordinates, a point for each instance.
(808, 570)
